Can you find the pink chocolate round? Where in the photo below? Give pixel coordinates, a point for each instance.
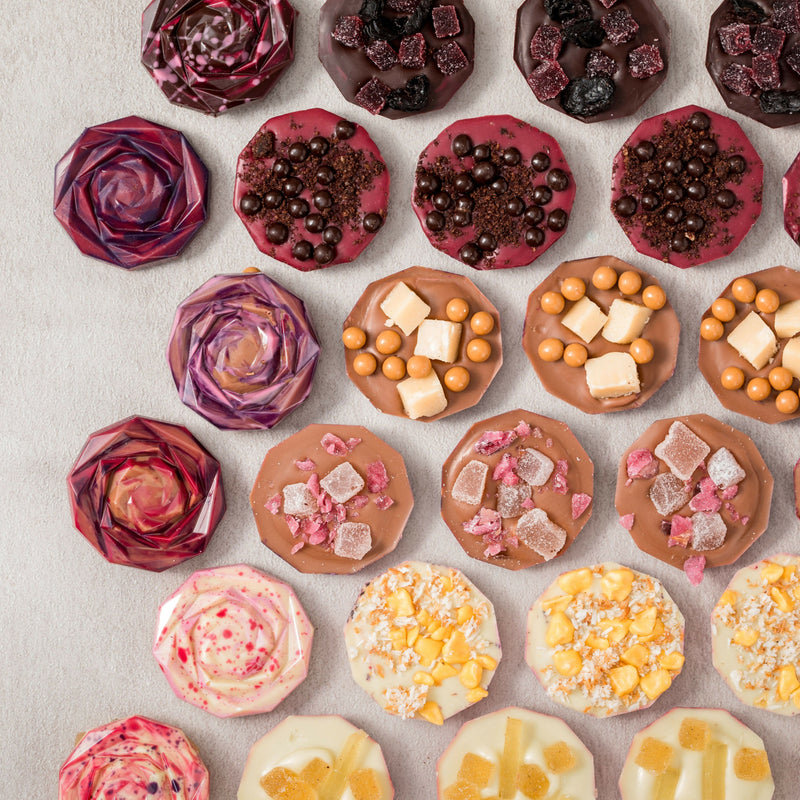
(791, 200)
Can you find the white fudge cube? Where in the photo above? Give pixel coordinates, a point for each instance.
(625, 322)
(404, 308)
(438, 339)
(298, 500)
(790, 358)
(422, 397)
(584, 319)
(754, 340)
(787, 319)
(612, 375)
(470, 484)
(342, 483)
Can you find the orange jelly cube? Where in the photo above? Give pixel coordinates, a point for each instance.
(654, 756)
(475, 769)
(315, 772)
(462, 790)
(750, 764)
(694, 734)
(364, 784)
(559, 758)
(532, 781)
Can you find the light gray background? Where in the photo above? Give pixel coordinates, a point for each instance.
(83, 346)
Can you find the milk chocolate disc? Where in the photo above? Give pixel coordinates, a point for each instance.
(693, 488)
(517, 489)
(560, 354)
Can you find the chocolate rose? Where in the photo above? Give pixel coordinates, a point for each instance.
(242, 351)
(233, 641)
(213, 55)
(131, 192)
(146, 494)
(132, 759)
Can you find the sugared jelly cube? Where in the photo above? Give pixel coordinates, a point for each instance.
(471, 481)
(735, 38)
(461, 790)
(403, 6)
(450, 59)
(372, 95)
(682, 450)
(600, 63)
(532, 781)
(538, 532)
(315, 772)
(364, 784)
(724, 469)
(708, 531)
(739, 79)
(352, 540)
(342, 482)
(349, 31)
(619, 25)
(559, 758)
(445, 22)
(786, 15)
(475, 769)
(510, 499)
(792, 58)
(768, 41)
(548, 80)
(645, 61)
(413, 51)
(694, 734)
(546, 43)
(298, 500)
(750, 764)
(382, 55)
(534, 467)
(668, 494)
(766, 72)
(654, 755)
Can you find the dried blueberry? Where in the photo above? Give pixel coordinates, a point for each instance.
(542, 195)
(319, 145)
(484, 172)
(748, 11)
(499, 185)
(737, 164)
(695, 223)
(777, 102)
(325, 175)
(298, 152)
(282, 167)
(465, 204)
(586, 33)
(650, 201)
(645, 150)
(463, 183)
(673, 192)
(272, 199)
(695, 167)
(680, 243)
(461, 219)
(708, 147)
(567, 10)
(696, 190)
(411, 97)
(585, 97)
(292, 187)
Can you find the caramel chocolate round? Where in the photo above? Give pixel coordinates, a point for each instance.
(759, 338)
(644, 313)
(331, 499)
(413, 303)
(517, 489)
(693, 492)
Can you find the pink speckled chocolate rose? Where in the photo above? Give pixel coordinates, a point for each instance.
(133, 759)
(233, 641)
(242, 351)
(213, 55)
(131, 192)
(146, 494)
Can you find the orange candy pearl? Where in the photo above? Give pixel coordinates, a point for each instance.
(456, 379)
(767, 301)
(551, 350)
(604, 278)
(388, 342)
(573, 288)
(758, 389)
(394, 368)
(575, 355)
(354, 338)
(711, 329)
(654, 297)
(629, 282)
(743, 290)
(365, 364)
(723, 309)
(642, 351)
(780, 378)
(732, 378)
(418, 366)
(457, 309)
(482, 323)
(552, 302)
(479, 350)
(787, 402)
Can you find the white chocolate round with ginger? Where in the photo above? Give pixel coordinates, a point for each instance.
(695, 753)
(605, 640)
(423, 641)
(755, 630)
(528, 755)
(322, 756)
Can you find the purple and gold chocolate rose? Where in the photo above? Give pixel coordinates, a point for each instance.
(146, 494)
(131, 192)
(213, 55)
(242, 351)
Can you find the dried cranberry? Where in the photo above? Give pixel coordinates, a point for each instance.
(619, 25)
(735, 38)
(566, 10)
(766, 72)
(548, 80)
(584, 33)
(738, 78)
(600, 63)
(382, 55)
(585, 97)
(450, 59)
(349, 31)
(546, 43)
(768, 41)
(645, 61)
(372, 95)
(413, 51)
(413, 96)
(445, 22)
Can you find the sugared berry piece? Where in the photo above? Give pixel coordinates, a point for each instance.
(382, 55)
(645, 61)
(786, 15)
(739, 79)
(600, 63)
(735, 38)
(768, 41)
(349, 31)
(766, 72)
(546, 43)
(372, 95)
(450, 59)
(619, 25)
(413, 51)
(445, 22)
(548, 80)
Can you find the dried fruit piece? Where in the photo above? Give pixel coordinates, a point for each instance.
(381, 54)
(546, 43)
(450, 59)
(445, 21)
(739, 79)
(548, 80)
(645, 61)
(655, 756)
(766, 72)
(682, 450)
(372, 95)
(735, 38)
(599, 63)
(413, 51)
(585, 97)
(619, 25)
(349, 31)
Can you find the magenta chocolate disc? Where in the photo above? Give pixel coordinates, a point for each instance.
(686, 186)
(791, 200)
(312, 189)
(146, 494)
(214, 55)
(397, 57)
(589, 60)
(493, 192)
(242, 351)
(131, 192)
(753, 57)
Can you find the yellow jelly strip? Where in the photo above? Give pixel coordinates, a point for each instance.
(715, 759)
(666, 784)
(509, 763)
(334, 786)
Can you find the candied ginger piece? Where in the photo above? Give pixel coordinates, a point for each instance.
(470, 484)
(352, 540)
(462, 790)
(532, 781)
(559, 758)
(534, 467)
(750, 764)
(546, 43)
(277, 779)
(682, 450)
(548, 80)
(654, 755)
(342, 482)
(511, 498)
(509, 762)
(364, 784)
(538, 532)
(694, 734)
(641, 464)
(735, 38)
(298, 501)
(475, 769)
(315, 772)
(667, 493)
(708, 531)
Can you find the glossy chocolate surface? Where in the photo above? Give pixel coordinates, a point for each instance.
(791, 200)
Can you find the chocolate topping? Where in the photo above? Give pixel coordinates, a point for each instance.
(791, 200)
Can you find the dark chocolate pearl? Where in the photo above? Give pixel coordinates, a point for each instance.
(694, 223)
(319, 145)
(625, 206)
(298, 207)
(557, 219)
(540, 162)
(277, 233)
(557, 180)
(483, 172)
(696, 190)
(292, 187)
(470, 254)
(462, 145)
(298, 152)
(695, 167)
(303, 250)
(482, 152)
(679, 243)
(654, 179)
(315, 223)
(273, 199)
(427, 183)
(542, 195)
(511, 156)
(434, 221)
(324, 253)
(325, 175)
(332, 235)
(673, 192)
(673, 165)
(344, 130)
(461, 218)
(699, 121)
(650, 201)
(514, 206)
(465, 204)
(282, 167)
(250, 204)
(645, 150)
(500, 185)
(707, 148)
(463, 183)
(725, 198)
(322, 199)
(487, 242)
(372, 222)
(534, 237)
(737, 164)
(673, 214)
(441, 201)
(533, 215)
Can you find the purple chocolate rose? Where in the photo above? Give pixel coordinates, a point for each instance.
(213, 55)
(130, 192)
(242, 351)
(146, 494)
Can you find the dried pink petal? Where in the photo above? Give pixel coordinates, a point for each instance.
(641, 464)
(383, 502)
(580, 502)
(627, 520)
(273, 505)
(680, 534)
(487, 520)
(377, 477)
(505, 470)
(333, 445)
(694, 566)
(305, 465)
(492, 441)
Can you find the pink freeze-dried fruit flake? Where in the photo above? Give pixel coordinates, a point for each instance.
(383, 501)
(534, 467)
(492, 441)
(305, 465)
(739, 79)
(682, 450)
(706, 499)
(708, 531)
(470, 484)
(768, 41)
(546, 43)
(352, 540)
(619, 25)
(372, 95)
(680, 532)
(342, 482)
(511, 498)
(766, 72)
(522, 429)
(735, 38)
(694, 567)
(505, 470)
(548, 80)
(298, 501)
(273, 505)
(724, 470)
(487, 520)
(349, 31)
(377, 477)
(382, 55)
(413, 51)
(667, 494)
(579, 503)
(333, 445)
(600, 63)
(445, 22)
(645, 61)
(627, 520)
(641, 464)
(450, 59)
(538, 532)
